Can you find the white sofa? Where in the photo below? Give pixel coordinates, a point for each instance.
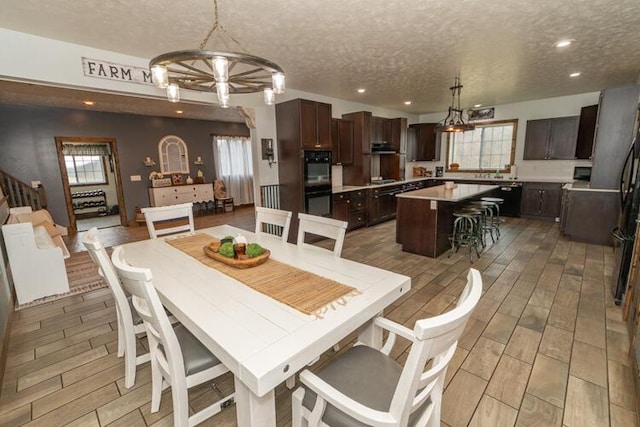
(36, 255)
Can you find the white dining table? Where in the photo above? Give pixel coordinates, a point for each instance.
(264, 342)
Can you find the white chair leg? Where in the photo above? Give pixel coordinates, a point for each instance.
(296, 406)
(130, 361)
(180, 403)
(291, 382)
(436, 398)
(156, 387)
(121, 338)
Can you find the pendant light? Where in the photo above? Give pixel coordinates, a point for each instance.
(454, 122)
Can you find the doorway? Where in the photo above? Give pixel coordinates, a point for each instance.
(92, 184)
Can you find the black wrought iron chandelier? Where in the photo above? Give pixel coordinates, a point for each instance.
(454, 122)
(217, 71)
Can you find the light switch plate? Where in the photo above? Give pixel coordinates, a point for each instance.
(136, 178)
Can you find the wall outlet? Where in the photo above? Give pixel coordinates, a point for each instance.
(34, 184)
(135, 178)
(434, 205)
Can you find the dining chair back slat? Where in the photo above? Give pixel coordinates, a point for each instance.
(267, 218)
(183, 211)
(324, 227)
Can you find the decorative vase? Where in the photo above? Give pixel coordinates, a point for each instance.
(189, 180)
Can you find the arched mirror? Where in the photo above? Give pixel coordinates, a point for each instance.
(173, 154)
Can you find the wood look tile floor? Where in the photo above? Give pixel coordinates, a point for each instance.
(545, 346)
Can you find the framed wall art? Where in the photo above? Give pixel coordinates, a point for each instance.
(481, 113)
(176, 179)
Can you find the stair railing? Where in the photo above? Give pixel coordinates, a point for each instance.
(22, 194)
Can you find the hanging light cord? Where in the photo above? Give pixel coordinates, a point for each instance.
(218, 26)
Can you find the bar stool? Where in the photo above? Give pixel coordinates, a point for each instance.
(465, 232)
(496, 217)
(488, 209)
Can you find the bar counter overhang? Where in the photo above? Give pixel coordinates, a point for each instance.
(424, 219)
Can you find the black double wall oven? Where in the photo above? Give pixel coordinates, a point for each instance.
(317, 183)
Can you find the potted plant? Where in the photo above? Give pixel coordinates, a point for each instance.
(158, 180)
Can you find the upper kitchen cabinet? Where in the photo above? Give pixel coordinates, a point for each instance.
(586, 131)
(378, 129)
(396, 130)
(342, 140)
(427, 143)
(551, 139)
(309, 120)
(359, 172)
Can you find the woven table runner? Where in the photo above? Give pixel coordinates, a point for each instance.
(300, 289)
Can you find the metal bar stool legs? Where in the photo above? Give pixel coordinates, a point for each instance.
(465, 233)
(497, 201)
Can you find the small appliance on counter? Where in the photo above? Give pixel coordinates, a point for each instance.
(439, 171)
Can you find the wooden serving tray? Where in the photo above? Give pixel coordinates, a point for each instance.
(242, 262)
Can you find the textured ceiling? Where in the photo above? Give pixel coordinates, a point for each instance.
(397, 49)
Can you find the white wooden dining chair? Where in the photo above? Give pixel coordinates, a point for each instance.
(129, 322)
(321, 226)
(178, 359)
(364, 386)
(273, 221)
(168, 213)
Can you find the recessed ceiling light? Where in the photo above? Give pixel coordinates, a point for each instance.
(361, 90)
(477, 105)
(574, 74)
(407, 102)
(179, 111)
(564, 43)
(88, 102)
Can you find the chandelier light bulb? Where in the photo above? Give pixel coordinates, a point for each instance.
(224, 101)
(278, 82)
(269, 96)
(222, 89)
(160, 76)
(173, 92)
(220, 69)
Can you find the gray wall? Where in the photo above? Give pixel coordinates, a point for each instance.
(28, 149)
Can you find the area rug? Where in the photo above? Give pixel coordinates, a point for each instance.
(83, 277)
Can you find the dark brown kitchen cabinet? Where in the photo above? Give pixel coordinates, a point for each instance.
(382, 204)
(551, 139)
(541, 199)
(359, 173)
(351, 206)
(427, 142)
(342, 142)
(378, 129)
(396, 130)
(307, 124)
(315, 125)
(340, 209)
(586, 131)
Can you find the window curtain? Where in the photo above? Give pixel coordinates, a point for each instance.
(233, 160)
(86, 149)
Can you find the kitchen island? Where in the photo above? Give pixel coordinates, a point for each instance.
(424, 218)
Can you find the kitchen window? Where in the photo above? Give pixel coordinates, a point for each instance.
(489, 147)
(84, 170)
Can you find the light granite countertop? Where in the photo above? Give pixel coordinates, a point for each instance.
(440, 193)
(498, 181)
